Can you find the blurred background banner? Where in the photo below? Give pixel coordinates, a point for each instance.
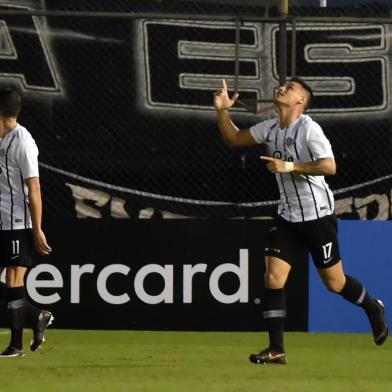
(118, 96)
(162, 274)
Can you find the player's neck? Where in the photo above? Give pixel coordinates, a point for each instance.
(7, 125)
(288, 115)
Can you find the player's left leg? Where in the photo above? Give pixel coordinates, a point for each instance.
(353, 291)
(3, 290)
(274, 307)
(16, 254)
(274, 311)
(38, 320)
(15, 304)
(43, 321)
(280, 242)
(20, 311)
(326, 257)
(3, 295)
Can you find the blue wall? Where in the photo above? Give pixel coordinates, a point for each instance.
(366, 249)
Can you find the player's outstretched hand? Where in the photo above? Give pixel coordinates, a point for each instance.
(40, 243)
(222, 100)
(275, 165)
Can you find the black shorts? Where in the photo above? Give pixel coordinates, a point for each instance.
(318, 236)
(17, 248)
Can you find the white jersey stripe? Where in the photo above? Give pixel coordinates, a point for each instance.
(9, 183)
(324, 185)
(270, 131)
(307, 178)
(328, 197)
(24, 198)
(284, 139)
(298, 197)
(285, 193)
(1, 218)
(276, 138)
(291, 175)
(314, 198)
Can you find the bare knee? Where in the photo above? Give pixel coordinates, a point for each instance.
(274, 281)
(334, 285)
(333, 277)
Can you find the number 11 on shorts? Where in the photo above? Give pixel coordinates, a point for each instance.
(15, 247)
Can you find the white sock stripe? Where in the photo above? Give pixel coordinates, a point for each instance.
(16, 304)
(361, 297)
(274, 313)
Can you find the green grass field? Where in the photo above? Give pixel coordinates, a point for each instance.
(86, 361)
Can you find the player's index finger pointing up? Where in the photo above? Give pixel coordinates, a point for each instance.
(224, 84)
(267, 158)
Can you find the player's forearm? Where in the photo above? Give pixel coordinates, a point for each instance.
(35, 205)
(226, 127)
(322, 167)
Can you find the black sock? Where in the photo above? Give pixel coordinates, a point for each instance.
(274, 312)
(3, 300)
(16, 303)
(32, 313)
(354, 292)
(3, 293)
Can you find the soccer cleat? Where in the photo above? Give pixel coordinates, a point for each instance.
(10, 352)
(46, 319)
(266, 357)
(378, 323)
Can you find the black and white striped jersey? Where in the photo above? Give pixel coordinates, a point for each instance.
(18, 161)
(302, 197)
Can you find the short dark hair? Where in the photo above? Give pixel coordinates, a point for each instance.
(10, 102)
(306, 87)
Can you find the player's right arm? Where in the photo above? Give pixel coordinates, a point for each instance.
(231, 134)
(35, 205)
(26, 155)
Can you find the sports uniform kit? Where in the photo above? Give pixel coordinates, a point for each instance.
(18, 161)
(306, 208)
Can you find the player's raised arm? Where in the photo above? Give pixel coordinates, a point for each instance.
(231, 134)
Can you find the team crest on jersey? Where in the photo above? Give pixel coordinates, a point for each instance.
(2, 152)
(289, 142)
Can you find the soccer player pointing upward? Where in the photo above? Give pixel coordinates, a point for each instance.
(300, 156)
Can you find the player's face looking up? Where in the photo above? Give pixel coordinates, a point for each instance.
(292, 94)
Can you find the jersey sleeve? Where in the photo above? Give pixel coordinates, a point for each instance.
(27, 157)
(260, 131)
(319, 145)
